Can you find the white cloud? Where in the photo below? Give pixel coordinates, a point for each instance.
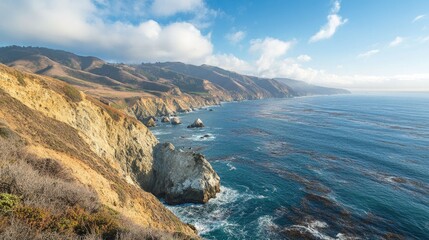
(290, 68)
(329, 29)
(231, 62)
(271, 63)
(235, 37)
(269, 50)
(419, 17)
(396, 42)
(369, 53)
(75, 25)
(170, 7)
(303, 58)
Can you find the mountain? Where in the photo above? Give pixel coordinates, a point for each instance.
(302, 88)
(73, 166)
(152, 89)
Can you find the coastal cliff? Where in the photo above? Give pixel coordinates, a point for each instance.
(101, 147)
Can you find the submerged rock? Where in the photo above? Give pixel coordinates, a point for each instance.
(183, 177)
(197, 124)
(205, 136)
(175, 121)
(165, 120)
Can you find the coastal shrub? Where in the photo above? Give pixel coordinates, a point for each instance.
(72, 93)
(8, 202)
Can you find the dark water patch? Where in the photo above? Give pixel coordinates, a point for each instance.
(411, 186)
(251, 132)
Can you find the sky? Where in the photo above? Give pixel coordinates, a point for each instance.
(365, 45)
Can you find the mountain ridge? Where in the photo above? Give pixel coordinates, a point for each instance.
(150, 89)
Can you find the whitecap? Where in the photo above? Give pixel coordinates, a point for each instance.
(231, 167)
(158, 132)
(215, 214)
(201, 138)
(313, 228)
(266, 226)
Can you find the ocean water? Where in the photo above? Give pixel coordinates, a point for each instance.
(323, 167)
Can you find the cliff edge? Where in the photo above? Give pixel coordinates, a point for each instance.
(101, 147)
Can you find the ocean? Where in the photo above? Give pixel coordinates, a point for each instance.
(322, 167)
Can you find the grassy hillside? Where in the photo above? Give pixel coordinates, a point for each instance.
(62, 173)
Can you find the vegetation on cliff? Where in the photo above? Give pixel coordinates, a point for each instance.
(69, 169)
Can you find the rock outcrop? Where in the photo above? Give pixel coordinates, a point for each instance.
(165, 119)
(197, 124)
(175, 121)
(150, 122)
(182, 177)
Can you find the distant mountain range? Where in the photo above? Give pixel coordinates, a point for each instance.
(144, 90)
(305, 89)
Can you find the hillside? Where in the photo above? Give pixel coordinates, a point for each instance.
(68, 159)
(302, 88)
(157, 89)
(146, 89)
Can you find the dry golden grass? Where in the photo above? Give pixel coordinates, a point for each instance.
(50, 167)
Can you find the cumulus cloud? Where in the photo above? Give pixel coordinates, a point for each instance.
(236, 37)
(269, 51)
(78, 25)
(396, 42)
(230, 62)
(419, 17)
(291, 68)
(171, 7)
(368, 53)
(334, 22)
(303, 58)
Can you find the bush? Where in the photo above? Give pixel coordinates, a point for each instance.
(8, 202)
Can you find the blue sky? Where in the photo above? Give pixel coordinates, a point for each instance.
(359, 45)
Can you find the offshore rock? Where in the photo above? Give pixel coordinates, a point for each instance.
(197, 124)
(183, 177)
(165, 120)
(175, 121)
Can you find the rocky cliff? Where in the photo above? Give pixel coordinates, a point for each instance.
(103, 148)
(197, 182)
(147, 89)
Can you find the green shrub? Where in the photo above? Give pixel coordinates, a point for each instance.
(8, 202)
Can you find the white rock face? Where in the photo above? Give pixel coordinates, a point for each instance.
(197, 124)
(175, 121)
(165, 119)
(183, 177)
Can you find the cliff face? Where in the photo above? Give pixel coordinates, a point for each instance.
(196, 182)
(147, 89)
(102, 147)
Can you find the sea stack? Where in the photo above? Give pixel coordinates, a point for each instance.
(165, 119)
(197, 124)
(175, 121)
(183, 177)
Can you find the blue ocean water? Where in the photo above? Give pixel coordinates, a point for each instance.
(323, 167)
